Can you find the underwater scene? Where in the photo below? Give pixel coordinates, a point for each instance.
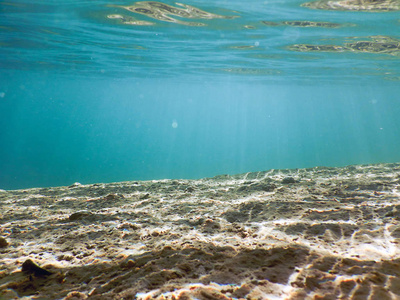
(227, 150)
(97, 91)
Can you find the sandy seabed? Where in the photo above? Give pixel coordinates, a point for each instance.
(318, 233)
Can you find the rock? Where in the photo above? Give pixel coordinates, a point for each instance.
(288, 180)
(210, 226)
(3, 242)
(8, 294)
(233, 216)
(81, 215)
(31, 268)
(143, 197)
(76, 296)
(254, 187)
(110, 197)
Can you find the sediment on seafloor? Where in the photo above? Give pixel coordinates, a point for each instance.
(325, 233)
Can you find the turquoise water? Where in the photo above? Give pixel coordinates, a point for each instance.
(87, 95)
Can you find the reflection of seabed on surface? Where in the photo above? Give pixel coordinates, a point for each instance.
(287, 234)
(164, 12)
(355, 5)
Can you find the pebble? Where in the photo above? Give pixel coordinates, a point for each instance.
(288, 180)
(8, 294)
(3, 242)
(80, 215)
(31, 268)
(75, 295)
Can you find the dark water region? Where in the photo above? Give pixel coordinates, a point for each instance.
(94, 91)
